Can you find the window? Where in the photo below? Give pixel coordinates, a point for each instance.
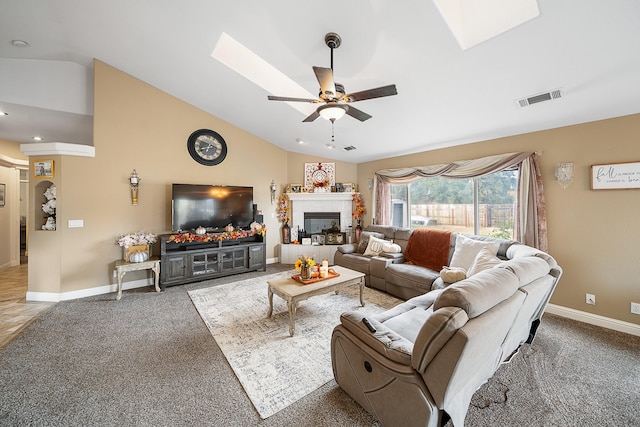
(483, 205)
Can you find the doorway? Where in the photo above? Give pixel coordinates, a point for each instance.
(24, 209)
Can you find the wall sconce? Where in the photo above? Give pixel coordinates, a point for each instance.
(564, 174)
(134, 182)
(273, 189)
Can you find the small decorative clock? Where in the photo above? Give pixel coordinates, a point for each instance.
(207, 147)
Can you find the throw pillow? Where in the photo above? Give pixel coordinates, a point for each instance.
(452, 274)
(391, 248)
(363, 242)
(467, 249)
(375, 246)
(483, 261)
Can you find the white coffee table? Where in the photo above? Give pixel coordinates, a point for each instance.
(293, 291)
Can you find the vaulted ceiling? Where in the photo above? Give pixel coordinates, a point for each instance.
(447, 95)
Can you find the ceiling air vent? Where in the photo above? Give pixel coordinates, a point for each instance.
(541, 97)
(349, 148)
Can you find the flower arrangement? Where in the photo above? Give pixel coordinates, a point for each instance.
(283, 209)
(258, 228)
(50, 207)
(359, 209)
(305, 262)
(321, 184)
(138, 238)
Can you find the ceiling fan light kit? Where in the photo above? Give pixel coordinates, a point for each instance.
(332, 112)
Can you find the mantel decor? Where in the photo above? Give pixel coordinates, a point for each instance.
(319, 176)
(615, 176)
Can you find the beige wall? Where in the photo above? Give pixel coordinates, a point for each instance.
(594, 235)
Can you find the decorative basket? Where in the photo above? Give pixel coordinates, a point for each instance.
(130, 250)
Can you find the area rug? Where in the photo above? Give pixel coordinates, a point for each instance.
(275, 369)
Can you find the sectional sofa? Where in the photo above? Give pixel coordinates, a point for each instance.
(419, 363)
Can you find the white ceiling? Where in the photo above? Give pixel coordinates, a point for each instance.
(446, 96)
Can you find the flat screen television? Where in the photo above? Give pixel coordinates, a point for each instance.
(210, 206)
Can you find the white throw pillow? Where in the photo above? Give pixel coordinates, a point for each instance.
(467, 249)
(391, 248)
(375, 246)
(483, 261)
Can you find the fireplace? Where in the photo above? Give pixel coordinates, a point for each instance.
(338, 207)
(317, 222)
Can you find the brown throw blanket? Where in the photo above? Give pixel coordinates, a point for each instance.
(429, 248)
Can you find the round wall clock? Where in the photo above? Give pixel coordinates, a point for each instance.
(207, 147)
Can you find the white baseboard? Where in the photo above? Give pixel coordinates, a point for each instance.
(99, 290)
(89, 292)
(594, 319)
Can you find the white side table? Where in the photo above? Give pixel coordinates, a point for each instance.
(123, 267)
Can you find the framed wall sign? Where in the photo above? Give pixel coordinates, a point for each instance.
(43, 168)
(319, 174)
(3, 189)
(615, 176)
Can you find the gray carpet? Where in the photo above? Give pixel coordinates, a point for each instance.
(150, 360)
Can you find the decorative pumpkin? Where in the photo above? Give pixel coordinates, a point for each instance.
(256, 226)
(453, 274)
(201, 231)
(138, 256)
(228, 228)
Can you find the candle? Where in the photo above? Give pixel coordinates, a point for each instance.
(324, 272)
(325, 264)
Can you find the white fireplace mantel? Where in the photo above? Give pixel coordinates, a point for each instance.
(321, 196)
(321, 202)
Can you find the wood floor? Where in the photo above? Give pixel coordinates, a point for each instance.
(16, 313)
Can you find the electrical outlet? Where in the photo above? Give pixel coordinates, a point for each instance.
(635, 308)
(591, 299)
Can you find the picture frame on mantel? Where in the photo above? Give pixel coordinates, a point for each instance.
(43, 168)
(615, 176)
(349, 187)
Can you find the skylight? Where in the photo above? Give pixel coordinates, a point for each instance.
(243, 61)
(475, 21)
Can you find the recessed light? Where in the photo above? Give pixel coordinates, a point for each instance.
(19, 43)
(300, 141)
(37, 138)
(2, 113)
(330, 146)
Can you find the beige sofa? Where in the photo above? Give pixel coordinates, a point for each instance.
(429, 354)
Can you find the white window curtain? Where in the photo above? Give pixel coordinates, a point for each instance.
(531, 226)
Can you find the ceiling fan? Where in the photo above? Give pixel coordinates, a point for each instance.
(336, 103)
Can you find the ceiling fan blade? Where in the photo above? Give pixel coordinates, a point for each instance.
(286, 98)
(358, 114)
(371, 93)
(312, 117)
(325, 78)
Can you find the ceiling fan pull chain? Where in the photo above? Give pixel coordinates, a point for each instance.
(333, 139)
